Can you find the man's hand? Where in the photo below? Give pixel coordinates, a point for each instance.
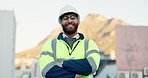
(59, 64)
(77, 75)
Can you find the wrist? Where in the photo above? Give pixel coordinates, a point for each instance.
(59, 64)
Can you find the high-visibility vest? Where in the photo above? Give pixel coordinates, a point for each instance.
(58, 50)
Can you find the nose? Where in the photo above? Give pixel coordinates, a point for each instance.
(69, 20)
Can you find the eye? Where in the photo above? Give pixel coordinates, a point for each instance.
(73, 17)
(65, 18)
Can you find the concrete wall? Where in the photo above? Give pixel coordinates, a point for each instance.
(7, 44)
(132, 48)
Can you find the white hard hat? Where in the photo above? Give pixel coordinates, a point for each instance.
(68, 9)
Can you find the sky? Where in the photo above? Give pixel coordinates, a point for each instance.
(36, 19)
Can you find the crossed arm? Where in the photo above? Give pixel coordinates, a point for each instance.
(70, 69)
(60, 65)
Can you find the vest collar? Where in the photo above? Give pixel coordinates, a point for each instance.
(60, 36)
(76, 36)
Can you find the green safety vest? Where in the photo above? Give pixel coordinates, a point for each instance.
(55, 50)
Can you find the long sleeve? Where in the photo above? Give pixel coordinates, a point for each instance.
(79, 66)
(58, 72)
(93, 56)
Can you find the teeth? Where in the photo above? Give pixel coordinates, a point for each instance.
(70, 25)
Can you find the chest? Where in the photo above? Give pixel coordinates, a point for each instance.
(64, 51)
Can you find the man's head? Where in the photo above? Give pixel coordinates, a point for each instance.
(69, 19)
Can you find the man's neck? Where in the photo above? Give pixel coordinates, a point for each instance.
(72, 35)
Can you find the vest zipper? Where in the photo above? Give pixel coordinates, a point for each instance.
(73, 47)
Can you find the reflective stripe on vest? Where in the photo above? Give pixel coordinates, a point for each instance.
(85, 46)
(54, 41)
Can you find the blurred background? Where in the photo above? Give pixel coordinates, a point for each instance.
(119, 27)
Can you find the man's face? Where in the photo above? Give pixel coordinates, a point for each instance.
(69, 23)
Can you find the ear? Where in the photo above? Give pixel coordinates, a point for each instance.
(61, 23)
(78, 22)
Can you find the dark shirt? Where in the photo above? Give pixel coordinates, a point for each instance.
(70, 41)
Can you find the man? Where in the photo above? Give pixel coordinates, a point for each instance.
(69, 55)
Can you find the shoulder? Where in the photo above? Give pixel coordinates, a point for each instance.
(49, 41)
(47, 45)
(89, 40)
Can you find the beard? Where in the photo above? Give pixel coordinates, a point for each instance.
(70, 31)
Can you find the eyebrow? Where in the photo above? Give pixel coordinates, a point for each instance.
(70, 15)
